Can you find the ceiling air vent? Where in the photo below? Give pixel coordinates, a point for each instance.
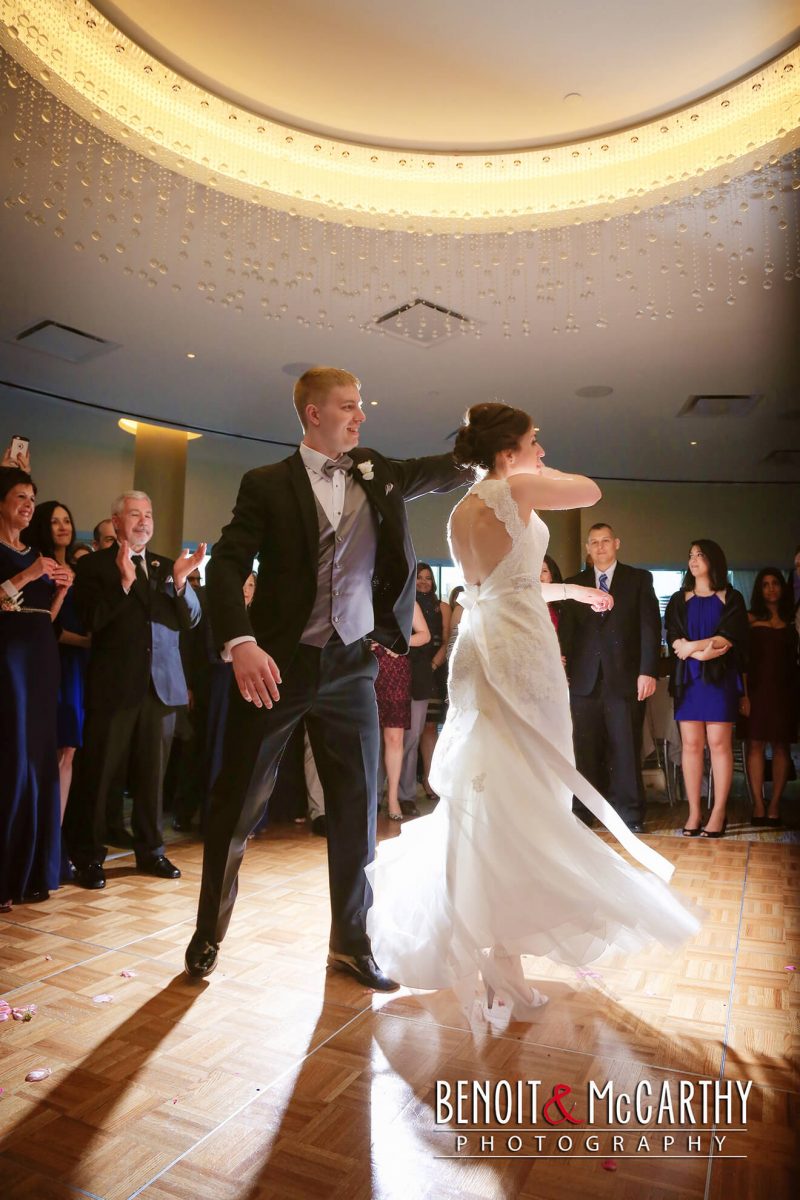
(422, 323)
(720, 406)
(61, 341)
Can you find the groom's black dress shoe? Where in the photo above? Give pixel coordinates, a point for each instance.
(363, 968)
(201, 957)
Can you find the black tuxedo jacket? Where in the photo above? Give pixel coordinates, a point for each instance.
(135, 638)
(275, 519)
(625, 642)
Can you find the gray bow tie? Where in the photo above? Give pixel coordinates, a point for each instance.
(343, 463)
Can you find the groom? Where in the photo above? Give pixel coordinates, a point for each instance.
(329, 527)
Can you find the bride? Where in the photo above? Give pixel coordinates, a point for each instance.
(502, 867)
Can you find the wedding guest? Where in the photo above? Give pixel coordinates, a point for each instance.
(393, 693)
(551, 573)
(707, 632)
(52, 533)
(612, 665)
(80, 550)
(795, 578)
(32, 591)
(437, 617)
(103, 534)
(772, 677)
(134, 603)
(455, 618)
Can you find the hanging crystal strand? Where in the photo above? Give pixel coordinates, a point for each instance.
(695, 237)
(791, 263)
(56, 183)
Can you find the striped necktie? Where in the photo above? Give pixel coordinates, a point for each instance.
(603, 582)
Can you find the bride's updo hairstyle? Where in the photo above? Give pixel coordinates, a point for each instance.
(488, 429)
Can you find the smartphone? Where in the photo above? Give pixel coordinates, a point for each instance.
(19, 445)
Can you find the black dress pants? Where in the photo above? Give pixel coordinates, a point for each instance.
(132, 742)
(607, 733)
(333, 689)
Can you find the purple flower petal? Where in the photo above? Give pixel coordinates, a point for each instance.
(37, 1075)
(103, 998)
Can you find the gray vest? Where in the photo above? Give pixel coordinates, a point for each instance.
(344, 572)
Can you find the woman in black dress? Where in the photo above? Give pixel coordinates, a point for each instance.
(772, 689)
(32, 590)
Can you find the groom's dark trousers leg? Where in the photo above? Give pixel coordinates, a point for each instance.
(333, 689)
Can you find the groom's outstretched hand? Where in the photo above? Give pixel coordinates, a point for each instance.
(257, 674)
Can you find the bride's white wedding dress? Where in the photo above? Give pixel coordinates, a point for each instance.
(502, 863)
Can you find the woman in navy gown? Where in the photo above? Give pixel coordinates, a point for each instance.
(32, 590)
(52, 533)
(707, 632)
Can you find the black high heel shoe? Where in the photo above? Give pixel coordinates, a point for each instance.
(759, 822)
(691, 832)
(709, 833)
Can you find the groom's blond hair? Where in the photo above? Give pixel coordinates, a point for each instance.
(315, 384)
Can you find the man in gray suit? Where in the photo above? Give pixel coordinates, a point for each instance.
(134, 604)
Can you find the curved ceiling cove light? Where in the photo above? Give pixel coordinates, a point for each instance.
(86, 62)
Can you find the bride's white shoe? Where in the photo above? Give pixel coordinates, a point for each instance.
(506, 987)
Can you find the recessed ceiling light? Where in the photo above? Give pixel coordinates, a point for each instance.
(594, 391)
(692, 443)
(190, 355)
(374, 403)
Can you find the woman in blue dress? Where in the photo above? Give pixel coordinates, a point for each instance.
(32, 590)
(707, 632)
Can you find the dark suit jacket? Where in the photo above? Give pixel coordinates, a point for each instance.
(275, 518)
(134, 637)
(625, 642)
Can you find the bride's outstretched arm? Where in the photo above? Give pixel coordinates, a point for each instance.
(599, 600)
(552, 489)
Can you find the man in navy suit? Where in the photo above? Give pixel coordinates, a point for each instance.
(134, 604)
(329, 527)
(612, 666)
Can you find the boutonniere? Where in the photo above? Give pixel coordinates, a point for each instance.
(155, 563)
(389, 488)
(366, 470)
(10, 603)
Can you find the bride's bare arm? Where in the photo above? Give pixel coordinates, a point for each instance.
(599, 600)
(551, 489)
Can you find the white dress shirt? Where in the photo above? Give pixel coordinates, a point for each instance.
(329, 491)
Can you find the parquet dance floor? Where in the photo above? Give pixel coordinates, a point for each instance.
(274, 1080)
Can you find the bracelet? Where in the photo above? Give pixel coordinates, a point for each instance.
(565, 590)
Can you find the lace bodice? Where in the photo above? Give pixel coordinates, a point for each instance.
(521, 567)
(506, 629)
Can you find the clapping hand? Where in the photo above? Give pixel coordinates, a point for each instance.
(45, 566)
(62, 577)
(127, 571)
(185, 563)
